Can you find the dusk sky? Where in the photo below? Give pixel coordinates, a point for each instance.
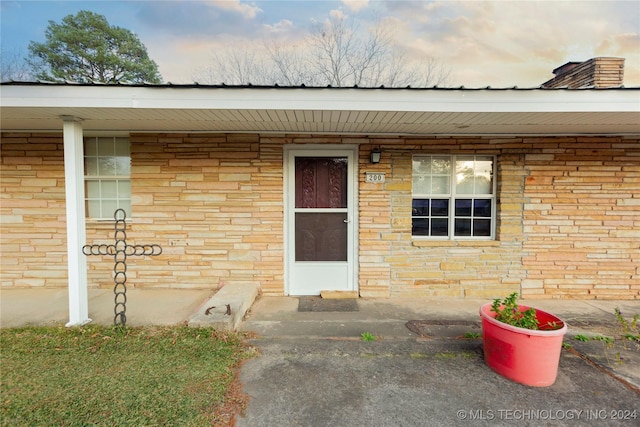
(484, 43)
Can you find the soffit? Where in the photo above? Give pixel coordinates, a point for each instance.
(333, 111)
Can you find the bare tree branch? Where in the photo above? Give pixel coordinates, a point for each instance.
(289, 66)
(13, 66)
(236, 64)
(335, 53)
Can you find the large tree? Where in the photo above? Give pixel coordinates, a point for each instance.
(335, 53)
(84, 48)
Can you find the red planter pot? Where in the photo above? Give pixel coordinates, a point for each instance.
(526, 356)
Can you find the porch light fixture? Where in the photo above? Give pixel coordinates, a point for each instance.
(375, 155)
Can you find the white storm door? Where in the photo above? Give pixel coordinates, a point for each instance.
(320, 218)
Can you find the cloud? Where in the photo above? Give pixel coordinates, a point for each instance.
(248, 11)
(518, 43)
(337, 14)
(356, 5)
(202, 19)
(283, 26)
(550, 54)
(620, 45)
(484, 43)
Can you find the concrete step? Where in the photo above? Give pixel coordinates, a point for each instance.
(226, 309)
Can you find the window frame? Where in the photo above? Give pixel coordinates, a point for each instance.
(120, 201)
(452, 196)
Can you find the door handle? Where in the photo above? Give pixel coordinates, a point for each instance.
(347, 221)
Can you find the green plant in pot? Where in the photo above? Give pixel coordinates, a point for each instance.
(508, 311)
(521, 343)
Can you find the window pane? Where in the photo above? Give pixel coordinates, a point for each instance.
(420, 207)
(464, 185)
(441, 165)
(106, 147)
(421, 184)
(91, 166)
(420, 227)
(90, 148)
(482, 208)
(107, 157)
(484, 175)
(123, 166)
(440, 227)
(464, 175)
(440, 207)
(106, 166)
(321, 182)
(462, 227)
(108, 208)
(122, 147)
(464, 159)
(109, 189)
(321, 236)
(124, 189)
(463, 207)
(126, 205)
(92, 189)
(93, 208)
(445, 177)
(440, 185)
(483, 186)
(482, 227)
(421, 165)
(474, 176)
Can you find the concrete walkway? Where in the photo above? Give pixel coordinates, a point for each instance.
(315, 370)
(21, 307)
(223, 309)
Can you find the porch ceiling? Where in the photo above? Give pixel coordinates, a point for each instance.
(321, 110)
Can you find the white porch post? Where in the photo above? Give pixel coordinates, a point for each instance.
(76, 232)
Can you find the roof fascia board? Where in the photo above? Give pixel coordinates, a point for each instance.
(454, 100)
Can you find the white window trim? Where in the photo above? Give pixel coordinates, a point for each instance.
(452, 196)
(100, 178)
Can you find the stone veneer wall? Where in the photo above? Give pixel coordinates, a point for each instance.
(582, 219)
(568, 216)
(392, 264)
(215, 202)
(568, 222)
(33, 233)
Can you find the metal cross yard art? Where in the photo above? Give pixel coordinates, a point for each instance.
(120, 251)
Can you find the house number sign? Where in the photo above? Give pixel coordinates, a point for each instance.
(375, 177)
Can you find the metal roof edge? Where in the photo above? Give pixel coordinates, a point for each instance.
(329, 87)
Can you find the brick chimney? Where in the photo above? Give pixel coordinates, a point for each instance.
(596, 72)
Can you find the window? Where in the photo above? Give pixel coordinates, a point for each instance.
(453, 197)
(107, 166)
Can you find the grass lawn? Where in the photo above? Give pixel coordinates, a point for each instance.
(111, 376)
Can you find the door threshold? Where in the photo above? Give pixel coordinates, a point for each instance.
(339, 294)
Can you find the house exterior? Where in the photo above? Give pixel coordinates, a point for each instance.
(477, 192)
